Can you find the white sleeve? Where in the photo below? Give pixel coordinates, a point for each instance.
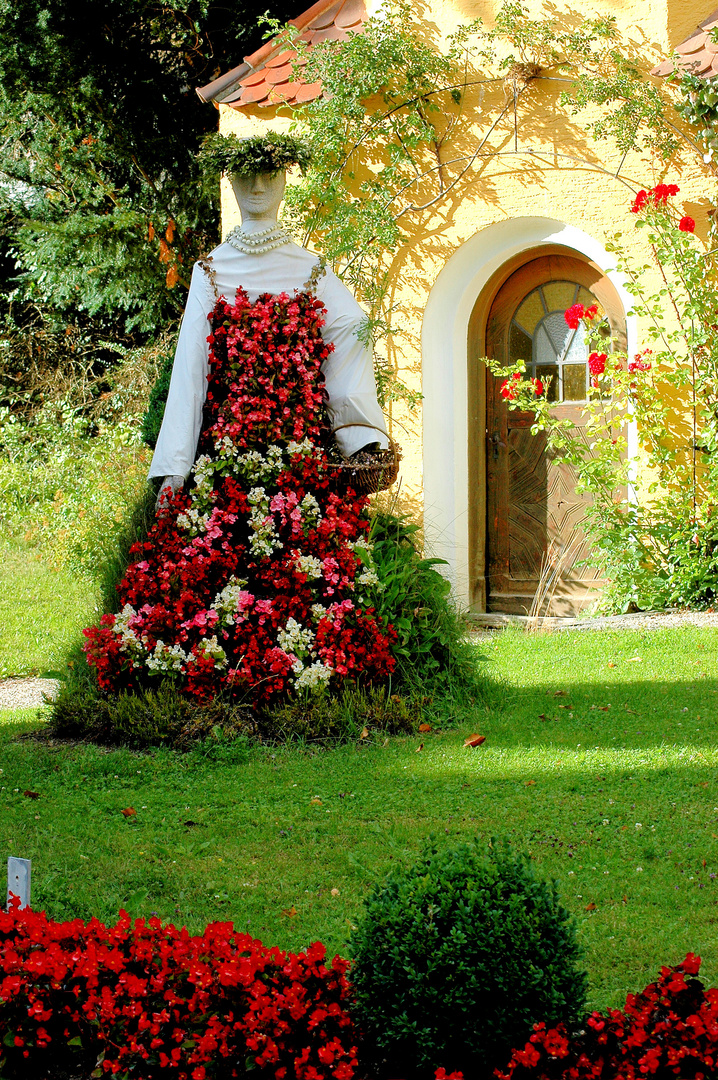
(177, 442)
(349, 372)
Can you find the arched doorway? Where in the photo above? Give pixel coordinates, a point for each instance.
(533, 511)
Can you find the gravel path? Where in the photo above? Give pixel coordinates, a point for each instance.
(642, 620)
(26, 693)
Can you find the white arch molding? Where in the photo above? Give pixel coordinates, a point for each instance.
(445, 366)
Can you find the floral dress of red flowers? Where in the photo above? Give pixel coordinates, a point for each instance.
(257, 580)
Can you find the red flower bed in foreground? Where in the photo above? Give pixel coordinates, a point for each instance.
(154, 1001)
(669, 1030)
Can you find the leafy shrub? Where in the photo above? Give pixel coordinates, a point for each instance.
(146, 718)
(667, 558)
(345, 715)
(456, 956)
(415, 598)
(166, 716)
(67, 492)
(143, 999)
(668, 1030)
(154, 414)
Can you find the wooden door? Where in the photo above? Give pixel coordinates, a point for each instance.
(533, 509)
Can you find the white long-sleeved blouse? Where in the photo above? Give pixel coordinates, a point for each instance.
(348, 370)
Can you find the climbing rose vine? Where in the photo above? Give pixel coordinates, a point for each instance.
(259, 579)
(646, 448)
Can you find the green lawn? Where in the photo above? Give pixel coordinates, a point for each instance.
(41, 611)
(601, 765)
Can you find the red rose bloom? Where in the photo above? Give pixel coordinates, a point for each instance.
(576, 312)
(640, 201)
(687, 224)
(597, 363)
(510, 387)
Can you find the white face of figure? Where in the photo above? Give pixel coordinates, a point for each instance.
(259, 196)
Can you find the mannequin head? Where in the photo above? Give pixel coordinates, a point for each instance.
(259, 195)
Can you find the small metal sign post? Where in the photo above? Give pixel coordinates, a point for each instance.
(18, 880)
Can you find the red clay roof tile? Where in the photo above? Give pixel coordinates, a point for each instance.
(695, 55)
(269, 77)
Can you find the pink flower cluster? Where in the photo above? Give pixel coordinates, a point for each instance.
(252, 582)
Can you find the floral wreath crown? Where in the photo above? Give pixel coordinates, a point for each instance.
(270, 153)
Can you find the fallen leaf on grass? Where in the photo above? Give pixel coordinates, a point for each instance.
(335, 892)
(364, 733)
(289, 912)
(565, 706)
(529, 783)
(625, 899)
(316, 801)
(703, 783)
(385, 743)
(604, 708)
(590, 907)
(31, 794)
(129, 811)
(560, 693)
(419, 747)
(610, 665)
(425, 727)
(542, 716)
(635, 660)
(475, 740)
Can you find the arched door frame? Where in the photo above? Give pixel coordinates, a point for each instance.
(453, 389)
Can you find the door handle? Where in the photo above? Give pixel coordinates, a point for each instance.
(496, 444)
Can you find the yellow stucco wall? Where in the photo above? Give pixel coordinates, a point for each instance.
(568, 177)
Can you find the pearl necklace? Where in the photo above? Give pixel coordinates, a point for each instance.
(256, 243)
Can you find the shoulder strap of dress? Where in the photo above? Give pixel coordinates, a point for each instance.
(318, 272)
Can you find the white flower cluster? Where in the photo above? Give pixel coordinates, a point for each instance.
(252, 465)
(264, 541)
(228, 602)
(129, 641)
(361, 545)
(309, 565)
(316, 675)
(193, 521)
(310, 509)
(297, 642)
(369, 576)
(211, 647)
(294, 638)
(204, 469)
(168, 658)
(318, 611)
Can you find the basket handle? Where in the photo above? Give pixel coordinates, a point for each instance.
(357, 424)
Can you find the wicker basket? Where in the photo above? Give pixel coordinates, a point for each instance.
(374, 476)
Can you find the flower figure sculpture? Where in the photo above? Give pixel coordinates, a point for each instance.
(259, 579)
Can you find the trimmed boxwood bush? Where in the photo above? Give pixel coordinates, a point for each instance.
(456, 957)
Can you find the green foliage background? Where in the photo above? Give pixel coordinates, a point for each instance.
(102, 209)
